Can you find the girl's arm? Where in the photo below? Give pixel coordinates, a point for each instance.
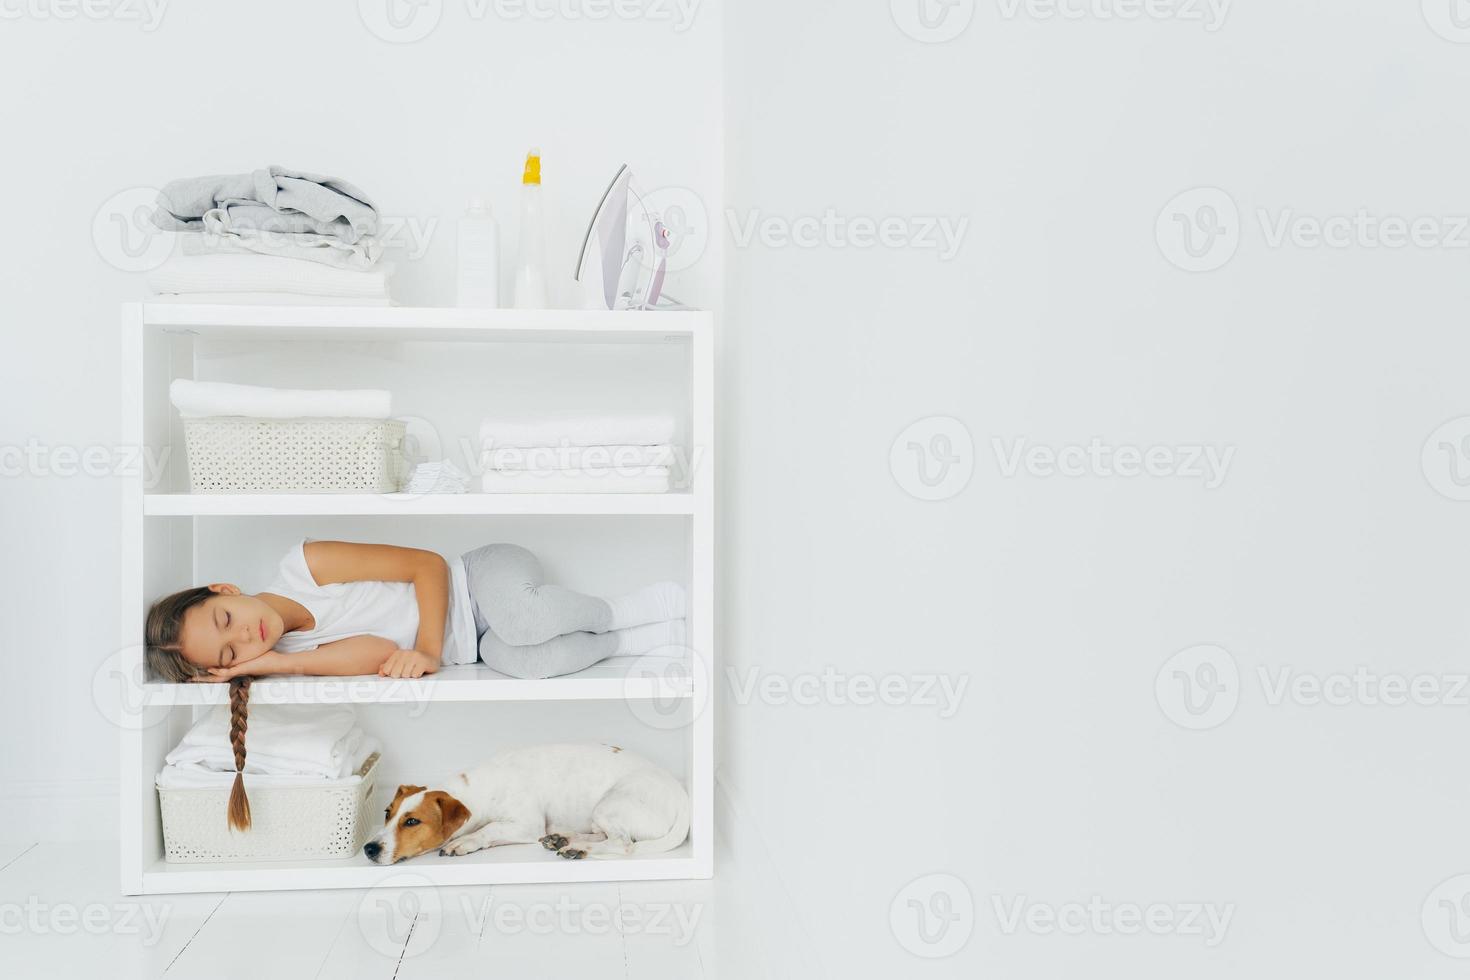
(332, 562)
(340, 658)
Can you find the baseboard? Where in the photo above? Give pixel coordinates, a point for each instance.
(62, 810)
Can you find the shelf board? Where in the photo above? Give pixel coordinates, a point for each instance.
(512, 864)
(408, 504)
(424, 324)
(605, 681)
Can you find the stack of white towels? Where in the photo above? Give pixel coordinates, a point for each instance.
(285, 745)
(577, 454)
(209, 399)
(273, 236)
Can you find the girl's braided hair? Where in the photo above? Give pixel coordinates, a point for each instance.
(166, 662)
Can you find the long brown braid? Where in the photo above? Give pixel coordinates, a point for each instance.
(167, 663)
(239, 813)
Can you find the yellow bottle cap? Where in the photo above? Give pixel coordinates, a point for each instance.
(533, 168)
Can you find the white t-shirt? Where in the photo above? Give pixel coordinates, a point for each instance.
(386, 609)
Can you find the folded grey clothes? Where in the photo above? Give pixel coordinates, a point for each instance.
(271, 200)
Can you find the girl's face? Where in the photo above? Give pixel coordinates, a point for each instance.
(228, 629)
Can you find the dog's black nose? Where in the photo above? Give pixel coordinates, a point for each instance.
(372, 849)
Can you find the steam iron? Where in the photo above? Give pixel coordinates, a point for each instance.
(625, 252)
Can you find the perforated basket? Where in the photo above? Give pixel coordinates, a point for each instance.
(332, 820)
(230, 454)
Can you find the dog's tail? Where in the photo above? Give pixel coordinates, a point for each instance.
(674, 837)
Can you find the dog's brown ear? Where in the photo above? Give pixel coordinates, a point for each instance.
(452, 813)
(398, 798)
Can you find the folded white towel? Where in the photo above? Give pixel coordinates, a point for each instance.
(653, 479)
(204, 399)
(267, 299)
(194, 775)
(578, 430)
(229, 273)
(441, 476)
(608, 459)
(306, 740)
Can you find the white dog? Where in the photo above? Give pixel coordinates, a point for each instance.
(577, 800)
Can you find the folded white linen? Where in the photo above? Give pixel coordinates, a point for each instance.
(614, 459)
(228, 273)
(440, 476)
(197, 776)
(267, 299)
(577, 430)
(308, 740)
(218, 237)
(204, 399)
(653, 479)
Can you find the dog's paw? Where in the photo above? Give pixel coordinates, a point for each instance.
(553, 842)
(572, 854)
(457, 849)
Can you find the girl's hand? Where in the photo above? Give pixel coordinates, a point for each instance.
(408, 663)
(269, 662)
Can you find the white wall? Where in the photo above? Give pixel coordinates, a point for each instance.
(1059, 598)
(98, 107)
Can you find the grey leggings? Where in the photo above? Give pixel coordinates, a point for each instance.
(526, 627)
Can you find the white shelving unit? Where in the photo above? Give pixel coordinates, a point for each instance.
(449, 366)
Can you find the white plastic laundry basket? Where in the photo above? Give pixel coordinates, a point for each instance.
(331, 820)
(230, 454)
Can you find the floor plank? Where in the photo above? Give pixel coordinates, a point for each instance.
(279, 935)
(527, 931)
(73, 921)
(661, 925)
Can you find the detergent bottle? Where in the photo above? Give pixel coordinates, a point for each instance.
(530, 270)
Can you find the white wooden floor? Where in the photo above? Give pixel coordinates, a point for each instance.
(61, 916)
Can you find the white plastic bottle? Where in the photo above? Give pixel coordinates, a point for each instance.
(479, 256)
(530, 278)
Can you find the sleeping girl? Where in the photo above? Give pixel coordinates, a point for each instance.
(338, 608)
